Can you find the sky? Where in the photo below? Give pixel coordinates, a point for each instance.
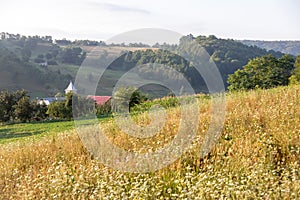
(102, 19)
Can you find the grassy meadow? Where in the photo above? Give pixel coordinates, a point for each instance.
(29, 131)
(256, 157)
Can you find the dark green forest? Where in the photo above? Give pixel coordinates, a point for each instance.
(228, 55)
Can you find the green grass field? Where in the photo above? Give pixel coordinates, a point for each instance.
(17, 132)
(256, 157)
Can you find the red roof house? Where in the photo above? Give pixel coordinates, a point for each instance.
(100, 100)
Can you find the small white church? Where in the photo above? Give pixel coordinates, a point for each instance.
(99, 100)
(48, 100)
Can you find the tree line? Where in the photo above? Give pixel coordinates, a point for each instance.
(17, 106)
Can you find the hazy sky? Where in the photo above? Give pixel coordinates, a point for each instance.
(102, 19)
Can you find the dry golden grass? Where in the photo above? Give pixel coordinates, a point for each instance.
(256, 157)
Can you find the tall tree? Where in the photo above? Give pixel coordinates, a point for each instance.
(127, 97)
(6, 105)
(264, 72)
(23, 109)
(295, 78)
(14, 104)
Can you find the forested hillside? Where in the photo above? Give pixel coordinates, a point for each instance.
(44, 67)
(230, 55)
(37, 64)
(288, 47)
(20, 74)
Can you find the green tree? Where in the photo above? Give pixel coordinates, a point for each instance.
(73, 105)
(39, 112)
(137, 98)
(79, 106)
(127, 97)
(295, 78)
(8, 103)
(74, 55)
(23, 109)
(264, 72)
(104, 109)
(58, 110)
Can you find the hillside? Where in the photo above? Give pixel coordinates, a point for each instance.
(27, 56)
(17, 74)
(63, 58)
(288, 47)
(256, 157)
(230, 55)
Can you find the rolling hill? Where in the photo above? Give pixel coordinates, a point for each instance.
(17, 74)
(21, 58)
(288, 47)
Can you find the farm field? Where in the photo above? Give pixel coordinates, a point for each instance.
(17, 132)
(256, 157)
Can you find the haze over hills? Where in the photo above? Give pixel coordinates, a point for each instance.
(288, 47)
(44, 67)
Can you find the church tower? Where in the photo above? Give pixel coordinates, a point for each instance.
(70, 88)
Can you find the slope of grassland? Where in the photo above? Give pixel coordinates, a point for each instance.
(256, 157)
(28, 131)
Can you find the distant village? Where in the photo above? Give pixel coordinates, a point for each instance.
(99, 100)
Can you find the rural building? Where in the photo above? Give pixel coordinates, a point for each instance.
(48, 100)
(99, 100)
(43, 64)
(71, 88)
